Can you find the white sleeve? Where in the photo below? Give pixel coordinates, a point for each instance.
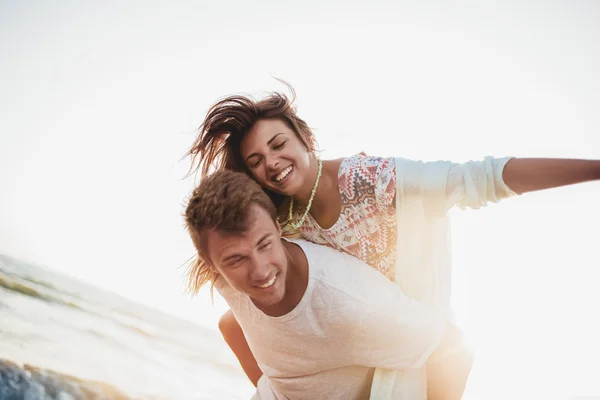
(441, 185)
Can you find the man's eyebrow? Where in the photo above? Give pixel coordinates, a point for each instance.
(236, 255)
(263, 238)
(268, 144)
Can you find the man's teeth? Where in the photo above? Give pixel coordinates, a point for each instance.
(283, 174)
(268, 284)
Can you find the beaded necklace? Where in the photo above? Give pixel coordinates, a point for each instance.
(310, 200)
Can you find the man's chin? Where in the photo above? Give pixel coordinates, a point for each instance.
(263, 301)
(267, 304)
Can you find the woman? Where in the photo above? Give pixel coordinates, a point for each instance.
(389, 212)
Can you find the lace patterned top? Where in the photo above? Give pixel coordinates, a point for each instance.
(366, 227)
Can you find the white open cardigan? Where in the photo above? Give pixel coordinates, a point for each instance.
(425, 191)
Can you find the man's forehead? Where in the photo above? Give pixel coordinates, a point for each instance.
(221, 244)
(228, 239)
(228, 236)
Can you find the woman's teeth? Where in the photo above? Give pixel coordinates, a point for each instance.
(283, 174)
(268, 284)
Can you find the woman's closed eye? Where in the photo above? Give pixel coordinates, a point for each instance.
(277, 146)
(254, 163)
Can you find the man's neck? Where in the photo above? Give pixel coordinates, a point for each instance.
(296, 279)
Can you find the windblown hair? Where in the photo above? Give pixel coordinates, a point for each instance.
(221, 202)
(217, 146)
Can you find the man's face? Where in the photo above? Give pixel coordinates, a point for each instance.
(253, 262)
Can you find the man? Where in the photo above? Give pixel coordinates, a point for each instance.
(317, 320)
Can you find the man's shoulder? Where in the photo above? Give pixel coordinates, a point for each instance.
(326, 259)
(342, 272)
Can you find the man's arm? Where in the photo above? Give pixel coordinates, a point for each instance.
(234, 336)
(529, 174)
(387, 329)
(449, 366)
(410, 337)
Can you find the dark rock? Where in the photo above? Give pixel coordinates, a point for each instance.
(33, 383)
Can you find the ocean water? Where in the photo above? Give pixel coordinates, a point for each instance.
(63, 339)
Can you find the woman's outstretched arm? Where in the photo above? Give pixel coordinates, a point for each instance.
(441, 185)
(234, 336)
(524, 175)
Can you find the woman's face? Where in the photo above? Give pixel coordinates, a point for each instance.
(276, 157)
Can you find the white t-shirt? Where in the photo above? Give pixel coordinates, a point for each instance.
(350, 320)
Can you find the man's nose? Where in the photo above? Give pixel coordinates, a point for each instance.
(260, 271)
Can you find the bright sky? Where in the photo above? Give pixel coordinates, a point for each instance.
(99, 101)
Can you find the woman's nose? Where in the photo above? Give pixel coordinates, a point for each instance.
(272, 163)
